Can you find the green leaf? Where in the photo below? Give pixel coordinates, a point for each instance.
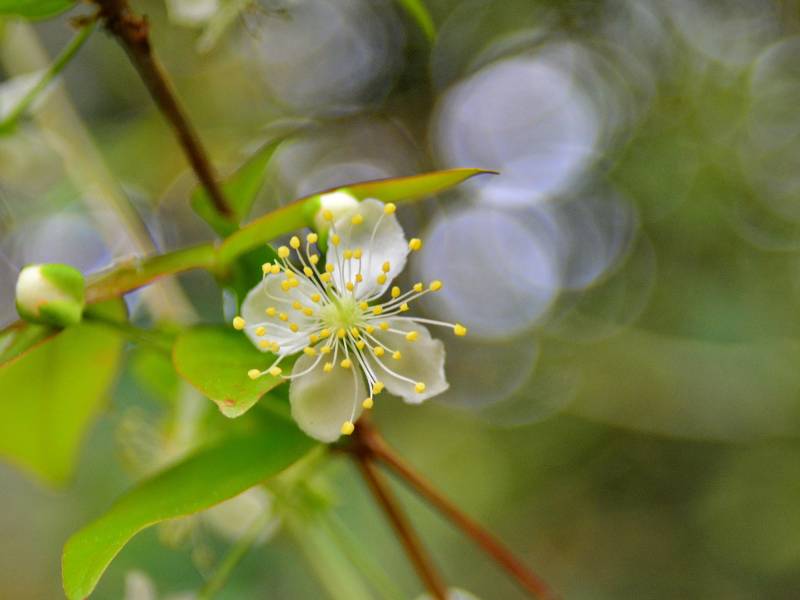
(50, 394)
(419, 12)
(34, 9)
(206, 478)
(216, 360)
(20, 337)
(240, 190)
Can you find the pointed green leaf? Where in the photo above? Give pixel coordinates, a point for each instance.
(34, 9)
(206, 478)
(50, 394)
(240, 190)
(216, 360)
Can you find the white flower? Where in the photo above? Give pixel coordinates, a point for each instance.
(349, 324)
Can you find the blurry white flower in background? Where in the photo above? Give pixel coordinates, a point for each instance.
(139, 586)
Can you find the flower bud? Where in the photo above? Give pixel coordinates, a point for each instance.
(332, 207)
(52, 294)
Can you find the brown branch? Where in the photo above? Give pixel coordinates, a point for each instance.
(413, 547)
(132, 32)
(378, 448)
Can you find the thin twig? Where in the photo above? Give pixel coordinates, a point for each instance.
(528, 580)
(413, 547)
(132, 32)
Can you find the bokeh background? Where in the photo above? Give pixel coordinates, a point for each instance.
(625, 410)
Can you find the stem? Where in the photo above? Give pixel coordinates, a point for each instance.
(61, 61)
(413, 547)
(234, 556)
(528, 580)
(132, 33)
(160, 340)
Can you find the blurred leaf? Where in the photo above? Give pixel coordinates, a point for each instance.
(154, 372)
(240, 189)
(50, 395)
(216, 360)
(204, 479)
(419, 12)
(20, 337)
(34, 9)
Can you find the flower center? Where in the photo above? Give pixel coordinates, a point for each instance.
(343, 312)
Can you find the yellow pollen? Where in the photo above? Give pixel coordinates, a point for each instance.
(254, 373)
(349, 285)
(261, 331)
(327, 215)
(358, 253)
(412, 336)
(359, 277)
(294, 327)
(316, 297)
(275, 371)
(415, 244)
(389, 208)
(356, 333)
(369, 328)
(325, 333)
(360, 344)
(308, 271)
(294, 242)
(404, 307)
(325, 350)
(286, 285)
(386, 267)
(378, 350)
(293, 283)
(348, 254)
(436, 285)
(381, 278)
(420, 387)
(271, 312)
(418, 287)
(459, 329)
(307, 311)
(264, 344)
(377, 388)
(363, 305)
(283, 316)
(310, 351)
(313, 338)
(312, 238)
(266, 268)
(357, 219)
(367, 403)
(346, 363)
(395, 292)
(396, 355)
(327, 367)
(335, 239)
(376, 310)
(347, 428)
(313, 259)
(276, 347)
(276, 269)
(384, 325)
(341, 332)
(238, 323)
(329, 268)
(325, 277)
(296, 305)
(283, 252)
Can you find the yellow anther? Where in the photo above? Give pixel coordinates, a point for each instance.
(316, 297)
(368, 403)
(349, 285)
(286, 285)
(325, 333)
(327, 367)
(347, 428)
(294, 242)
(384, 325)
(329, 268)
(415, 244)
(357, 219)
(459, 329)
(359, 277)
(266, 268)
(356, 333)
(363, 305)
(313, 259)
(276, 269)
(238, 323)
(420, 387)
(386, 267)
(335, 239)
(307, 311)
(360, 344)
(381, 278)
(308, 271)
(325, 277)
(261, 331)
(369, 328)
(310, 351)
(378, 350)
(418, 287)
(348, 254)
(296, 305)
(327, 215)
(283, 252)
(283, 316)
(436, 285)
(276, 347)
(396, 355)
(312, 238)
(275, 371)
(271, 312)
(404, 307)
(412, 336)
(254, 373)
(325, 350)
(341, 333)
(264, 344)
(294, 327)
(293, 283)
(346, 363)
(376, 310)
(313, 338)
(395, 292)
(377, 388)
(358, 253)
(389, 208)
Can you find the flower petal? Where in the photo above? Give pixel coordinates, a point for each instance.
(386, 243)
(421, 361)
(321, 402)
(268, 294)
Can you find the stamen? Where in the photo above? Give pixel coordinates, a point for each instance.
(347, 428)
(254, 374)
(260, 330)
(368, 403)
(238, 323)
(415, 244)
(283, 252)
(357, 219)
(419, 387)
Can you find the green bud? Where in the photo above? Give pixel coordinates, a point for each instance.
(51, 294)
